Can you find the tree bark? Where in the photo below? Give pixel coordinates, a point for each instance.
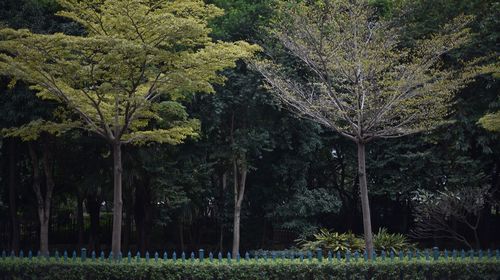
(94, 208)
(14, 243)
(239, 191)
(44, 203)
(117, 200)
(365, 204)
(221, 211)
(79, 219)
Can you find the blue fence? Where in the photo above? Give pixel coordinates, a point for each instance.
(429, 254)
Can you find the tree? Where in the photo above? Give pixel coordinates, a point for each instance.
(135, 55)
(445, 213)
(358, 80)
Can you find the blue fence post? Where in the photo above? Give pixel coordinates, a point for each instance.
(111, 257)
(183, 256)
(480, 254)
(211, 256)
(348, 256)
(374, 255)
(238, 257)
(410, 255)
(92, 255)
(65, 255)
(156, 257)
(339, 256)
(30, 255)
(488, 253)
(462, 254)
(56, 255)
(319, 254)
(401, 255)
(74, 256)
(165, 256)
(382, 255)
(129, 257)
(228, 257)
(426, 253)
(120, 256)
(147, 256)
(365, 255)
(454, 254)
(435, 253)
(273, 256)
(471, 254)
(356, 255)
(301, 256)
(138, 256)
(417, 254)
(309, 255)
(329, 256)
(101, 256)
(174, 256)
(247, 256)
(219, 256)
(201, 255)
(256, 256)
(445, 254)
(192, 256)
(83, 254)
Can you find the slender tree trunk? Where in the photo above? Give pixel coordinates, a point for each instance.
(44, 203)
(14, 244)
(93, 208)
(365, 204)
(181, 235)
(79, 219)
(221, 211)
(117, 200)
(239, 191)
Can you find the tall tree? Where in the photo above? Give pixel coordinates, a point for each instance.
(358, 79)
(134, 54)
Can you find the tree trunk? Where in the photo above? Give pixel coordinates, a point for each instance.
(239, 191)
(14, 244)
(365, 204)
(79, 219)
(117, 200)
(94, 208)
(43, 202)
(221, 211)
(181, 235)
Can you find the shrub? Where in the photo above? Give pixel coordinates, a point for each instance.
(332, 241)
(343, 242)
(249, 270)
(383, 240)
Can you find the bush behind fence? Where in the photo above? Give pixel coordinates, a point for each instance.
(425, 264)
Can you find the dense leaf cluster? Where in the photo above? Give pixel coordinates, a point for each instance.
(279, 269)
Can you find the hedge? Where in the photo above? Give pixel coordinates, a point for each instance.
(11, 269)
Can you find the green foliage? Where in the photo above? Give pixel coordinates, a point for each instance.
(131, 57)
(343, 242)
(383, 240)
(333, 241)
(279, 269)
